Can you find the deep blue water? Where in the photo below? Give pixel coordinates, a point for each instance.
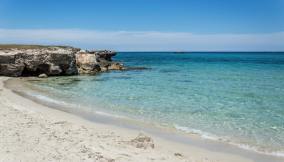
(234, 97)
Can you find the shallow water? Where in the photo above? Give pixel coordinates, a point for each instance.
(233, 97)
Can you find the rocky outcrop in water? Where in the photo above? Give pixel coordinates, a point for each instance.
(92, 62)
(54, 60)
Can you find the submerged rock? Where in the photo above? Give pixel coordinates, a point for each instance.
(116, 66)
(136, 68)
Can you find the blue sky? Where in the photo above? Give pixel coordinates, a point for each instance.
(146, 24)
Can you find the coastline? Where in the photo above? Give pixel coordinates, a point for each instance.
(41, 132)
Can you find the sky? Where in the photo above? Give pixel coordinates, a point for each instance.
(146, 25)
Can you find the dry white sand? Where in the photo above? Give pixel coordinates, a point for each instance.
(32, 132)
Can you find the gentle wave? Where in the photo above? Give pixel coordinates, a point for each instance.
(61, 103)
(209, 136)
(198, 132)
(111, 115)
(47, 99)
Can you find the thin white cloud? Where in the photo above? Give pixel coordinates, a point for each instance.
(146, 40)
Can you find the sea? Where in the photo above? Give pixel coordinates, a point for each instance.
(233, 97)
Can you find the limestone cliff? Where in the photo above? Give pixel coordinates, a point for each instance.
(54, 60)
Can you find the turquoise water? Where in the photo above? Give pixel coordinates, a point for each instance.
(233, 97)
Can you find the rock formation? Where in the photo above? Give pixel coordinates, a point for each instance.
(54, 60)
(92, 62)
(43, 76)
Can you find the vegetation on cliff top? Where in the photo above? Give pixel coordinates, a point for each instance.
(27, 46)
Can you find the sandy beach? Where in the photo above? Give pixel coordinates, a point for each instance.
(141, 81)
(32, 132)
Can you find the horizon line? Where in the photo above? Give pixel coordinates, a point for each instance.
(147, 41)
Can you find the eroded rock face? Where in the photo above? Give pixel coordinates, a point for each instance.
(87, 63)
(32, 62)
(104, 55)
(92, 62)
(55, 61)
(10, 65)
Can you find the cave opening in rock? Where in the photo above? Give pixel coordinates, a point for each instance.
(64, 68)
(42, 68)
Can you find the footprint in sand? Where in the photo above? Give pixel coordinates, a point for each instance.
(60, 122)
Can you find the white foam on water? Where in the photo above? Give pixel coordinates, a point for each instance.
(255, 149)
(47, 99)
(111, 115)
(209, 136)
(196, 131)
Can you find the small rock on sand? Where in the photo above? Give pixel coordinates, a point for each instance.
(143, 141)
(42, 76)
(178, 154)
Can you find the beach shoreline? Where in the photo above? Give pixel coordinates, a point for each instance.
(89, 140)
